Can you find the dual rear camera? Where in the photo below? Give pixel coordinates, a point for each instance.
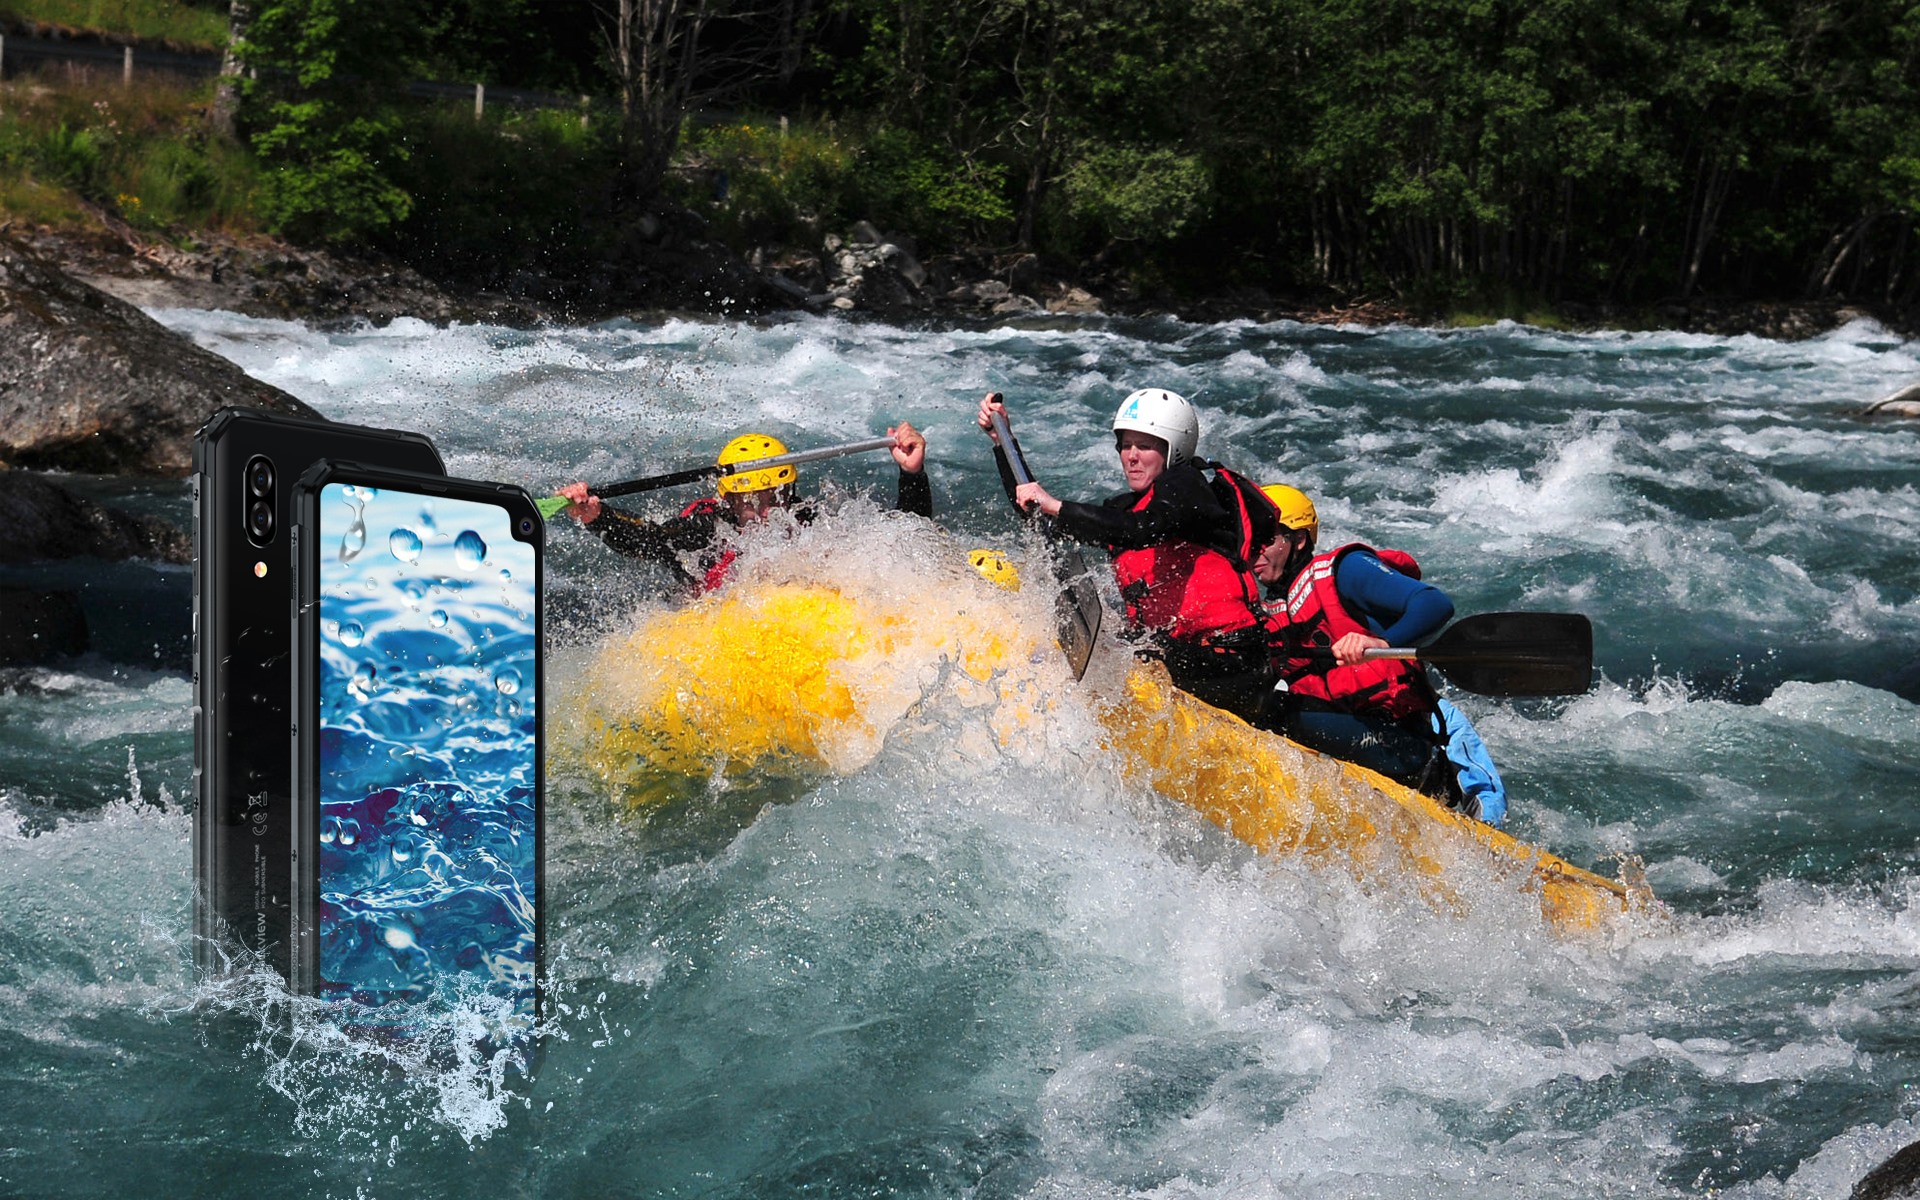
(259, 476)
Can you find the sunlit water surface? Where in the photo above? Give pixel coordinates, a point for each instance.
(954, 972)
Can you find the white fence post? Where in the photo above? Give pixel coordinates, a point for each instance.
(479, 100)
(126, 67)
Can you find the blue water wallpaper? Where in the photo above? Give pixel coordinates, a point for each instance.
(429, 749)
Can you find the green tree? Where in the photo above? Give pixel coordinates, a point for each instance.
(320, 112)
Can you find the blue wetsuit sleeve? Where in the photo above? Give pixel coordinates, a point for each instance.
(1405, 610)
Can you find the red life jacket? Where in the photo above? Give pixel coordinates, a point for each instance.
(717, 564)
(1187, 591)
(1314, 616)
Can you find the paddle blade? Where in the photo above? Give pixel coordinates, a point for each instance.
(1517, 654)
(1077, 611)
(551, 506)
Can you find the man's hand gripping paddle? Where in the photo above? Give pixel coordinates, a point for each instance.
(552, 506)
(1077, 608)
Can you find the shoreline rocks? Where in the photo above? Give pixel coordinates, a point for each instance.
(42, 520)
(667, 266)
(42, 525)
(88, 382)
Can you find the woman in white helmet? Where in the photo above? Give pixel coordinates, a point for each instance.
(1180, 556)
(743, 498)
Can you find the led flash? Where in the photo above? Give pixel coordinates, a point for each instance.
(260, 570)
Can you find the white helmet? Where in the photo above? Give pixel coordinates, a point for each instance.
(1164, 414)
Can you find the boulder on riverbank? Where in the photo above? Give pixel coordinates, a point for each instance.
(90, 383)
(43, 524)
(41, 520)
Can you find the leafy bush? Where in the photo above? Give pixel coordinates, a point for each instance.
(755, 182)
(1134, 195)
(941, 197)
(72, 157)
(320, 121)
(191, 180)
(328, 180)
(492, 196)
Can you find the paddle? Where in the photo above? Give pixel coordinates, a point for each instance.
(1509, 653)
(552, 506)
(1077, 609)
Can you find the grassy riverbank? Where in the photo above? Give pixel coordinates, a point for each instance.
(191, 27)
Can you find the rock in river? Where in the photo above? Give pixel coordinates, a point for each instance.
(91, 383)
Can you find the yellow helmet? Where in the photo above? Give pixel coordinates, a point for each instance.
(996, 567)
(1296, 509)
(751, 447)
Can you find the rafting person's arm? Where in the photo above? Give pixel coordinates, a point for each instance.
(915, 493)
(634, 536)
(1181, 508)
(1408, 611)
(988, 407)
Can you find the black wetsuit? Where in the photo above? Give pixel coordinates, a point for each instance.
(696, 531)
(1231, 673)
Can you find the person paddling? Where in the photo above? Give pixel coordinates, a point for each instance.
(1179, 552)
(1327, 611)
(743, 499)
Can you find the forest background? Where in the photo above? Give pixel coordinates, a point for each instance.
(1454, 155)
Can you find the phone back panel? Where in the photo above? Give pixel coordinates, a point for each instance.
(243, 641)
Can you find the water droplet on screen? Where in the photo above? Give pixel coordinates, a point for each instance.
(354, 540)
(506, 576)
(363, 681)
(469, 550)
(507, 680)
(349, 832)
(405, 544)
(437, 618)
(352, 634)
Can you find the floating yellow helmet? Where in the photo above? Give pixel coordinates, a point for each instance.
(996, 567)
(1296, 510)
(751, 447)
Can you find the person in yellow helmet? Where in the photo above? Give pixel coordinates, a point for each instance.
(1327, 611)
(743, 498)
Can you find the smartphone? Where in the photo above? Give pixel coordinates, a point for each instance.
(245, 462)
(419, 743)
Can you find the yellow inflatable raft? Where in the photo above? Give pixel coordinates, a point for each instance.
(799, 678)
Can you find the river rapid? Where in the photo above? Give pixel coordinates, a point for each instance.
(944, 971)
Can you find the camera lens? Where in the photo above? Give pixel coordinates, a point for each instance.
(260, 477)
(526, 526)
(260, 520)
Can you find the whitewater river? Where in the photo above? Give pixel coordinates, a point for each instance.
(949, 972)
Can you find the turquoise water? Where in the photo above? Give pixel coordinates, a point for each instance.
(954, 971)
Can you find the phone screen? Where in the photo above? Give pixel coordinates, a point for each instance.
(428, 749)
